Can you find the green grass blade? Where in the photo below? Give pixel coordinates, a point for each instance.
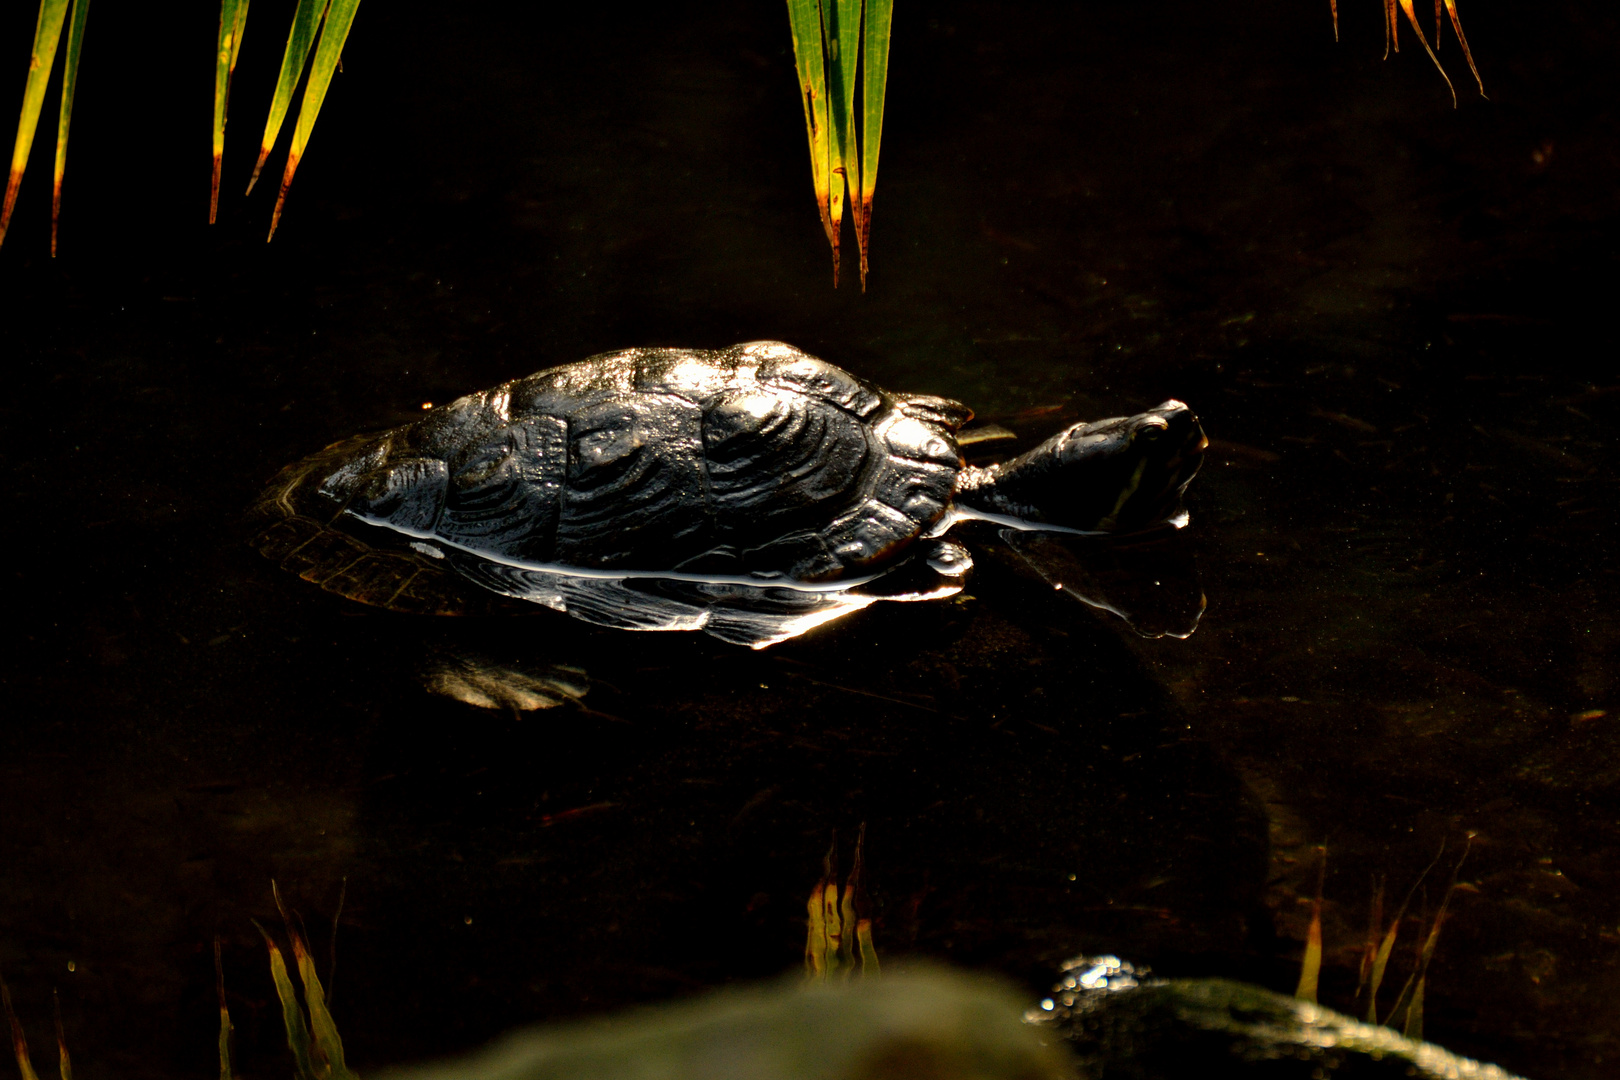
(299, 39)
(64, 1063)
(805, 18)
(19, 1041)
(1414, 1014)
(335, 32)
(815, 941)
(225, 1027)
(327, 1043)
(232, 20)
(841, 39)
(1310, 968)
(292, 1016)
(869, 960)
(70, 79)
(875, 80)
(47, 31)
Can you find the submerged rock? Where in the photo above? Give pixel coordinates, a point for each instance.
(917, 1025)
(1124, 1027)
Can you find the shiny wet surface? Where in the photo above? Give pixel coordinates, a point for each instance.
(1391, 318)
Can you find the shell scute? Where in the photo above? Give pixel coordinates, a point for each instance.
(506, 497)
(869, 534)
(770, 455)
(406, 495)
(636, 490)
(819, 379)
(678, 371)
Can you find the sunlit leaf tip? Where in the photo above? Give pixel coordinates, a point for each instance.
(1333, 6)
(334, 33)
(232, 22)
(70, 78)
(64, 1063)
(47, 31)
(300, 37)
(226, 1029)
(19, 1041)
(1411, 17)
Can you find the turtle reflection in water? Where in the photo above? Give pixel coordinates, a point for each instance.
(752, 493)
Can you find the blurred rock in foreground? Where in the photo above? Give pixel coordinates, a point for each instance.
(1102, 1023)
(925, 1024)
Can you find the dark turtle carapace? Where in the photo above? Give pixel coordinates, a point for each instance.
(750, 492)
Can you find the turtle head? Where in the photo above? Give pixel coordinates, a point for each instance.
(1123, 475)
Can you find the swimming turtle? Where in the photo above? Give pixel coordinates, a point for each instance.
(751, 492)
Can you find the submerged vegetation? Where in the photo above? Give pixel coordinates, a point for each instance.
(1407, 1012)
(840, 934)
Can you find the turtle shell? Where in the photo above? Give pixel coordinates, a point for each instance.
(743, 465)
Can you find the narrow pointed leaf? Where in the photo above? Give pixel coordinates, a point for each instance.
(64, 1063)
(1456, 24)
(232, 20)
(805, 18)
(327, 1043)
(874, 81)
(225, 1027)
(1310, 968)
(299, 39)
(292, 1017)
(1414, 1014)
(841, 37)
(19, 1041)
(47, 31)
(1392, 32)
(334, 33)
(815, 943)
(70, 78)
(1380, 963)
(1333, 5)
(1411, 17)
(869, 960)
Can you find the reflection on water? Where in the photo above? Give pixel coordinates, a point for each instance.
(1391, 315)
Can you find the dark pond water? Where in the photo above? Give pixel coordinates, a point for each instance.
(1394, 319)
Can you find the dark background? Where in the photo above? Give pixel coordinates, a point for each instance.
(1392, 316)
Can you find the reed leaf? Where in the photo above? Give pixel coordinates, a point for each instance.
(841, 36)
(334, 33)
(299, 39)
(1310, 968)
(226, 1029)
(327, 1043)
(70, 80)
(19, 1041)
(292, 1016)
(875, 79)
(232, 21)
(64, 1063)
(815, 943)
(47, 32)
(804, 16)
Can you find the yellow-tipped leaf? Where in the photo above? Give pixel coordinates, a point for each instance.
(875, 77)
(334, 32)
(70, 78)
(47, 31)
(232, 21)
(299, 39)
